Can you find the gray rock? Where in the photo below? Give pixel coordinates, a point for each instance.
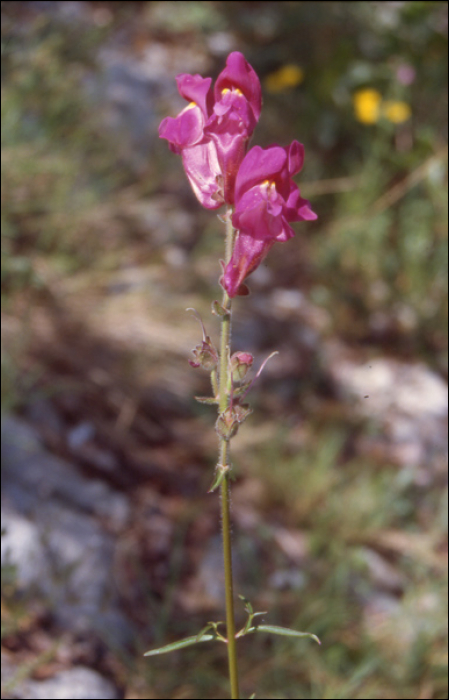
(408, 402)
(78, 683)
(54, 537)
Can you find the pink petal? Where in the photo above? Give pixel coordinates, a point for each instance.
(203, 170)
(239, 74)
(259, 165)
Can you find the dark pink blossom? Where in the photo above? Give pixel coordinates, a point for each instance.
(236, 110)
(266, 200)
(213, 131)
(185, 135)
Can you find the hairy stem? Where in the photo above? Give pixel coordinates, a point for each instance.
(225, 464)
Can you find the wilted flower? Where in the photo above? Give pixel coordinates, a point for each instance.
(206, 355)
(213, 131)
(266, 199)
(229, 421)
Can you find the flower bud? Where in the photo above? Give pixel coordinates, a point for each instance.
(241, 362)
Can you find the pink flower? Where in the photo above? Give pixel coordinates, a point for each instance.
(185, 135)
(266, 199)
(236, 111)
(213, 131)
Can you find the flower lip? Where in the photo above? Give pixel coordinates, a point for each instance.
(195, 88)
(259, 165)
(238, 74)
(185, 130)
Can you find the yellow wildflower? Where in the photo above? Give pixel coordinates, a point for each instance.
(367, 105)
(285, 78)
(396, 111)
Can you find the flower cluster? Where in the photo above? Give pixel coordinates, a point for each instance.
(370, 107)
(212, 134)
(213, 131)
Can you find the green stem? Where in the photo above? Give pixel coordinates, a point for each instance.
(226, 464)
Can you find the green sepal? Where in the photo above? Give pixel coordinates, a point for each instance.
(251, 697)
(206, 399)
(188, 642)
(284, 631)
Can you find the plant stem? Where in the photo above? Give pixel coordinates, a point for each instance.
(225, 463)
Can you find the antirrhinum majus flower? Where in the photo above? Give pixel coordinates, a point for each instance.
(266, 200)
(213, 131)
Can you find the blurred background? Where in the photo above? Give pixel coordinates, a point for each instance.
(110, 543)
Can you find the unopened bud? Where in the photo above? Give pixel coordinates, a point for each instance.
(241, 362)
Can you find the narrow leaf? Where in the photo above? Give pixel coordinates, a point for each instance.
(264, 612)
(218, 309)
(206, 399)
(218, 478)
(248, 606)
(239, 390)
(284, 631)
(202, 632)
(190, 641)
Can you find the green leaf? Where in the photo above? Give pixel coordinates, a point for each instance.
(284, 631)
(188, 642)
(248, 606)
(239, 390)
(218, 478)
(264, 612)
(218, 309)
(206, 399)
(202, 632)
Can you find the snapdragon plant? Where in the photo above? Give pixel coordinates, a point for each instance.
(211, 134)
